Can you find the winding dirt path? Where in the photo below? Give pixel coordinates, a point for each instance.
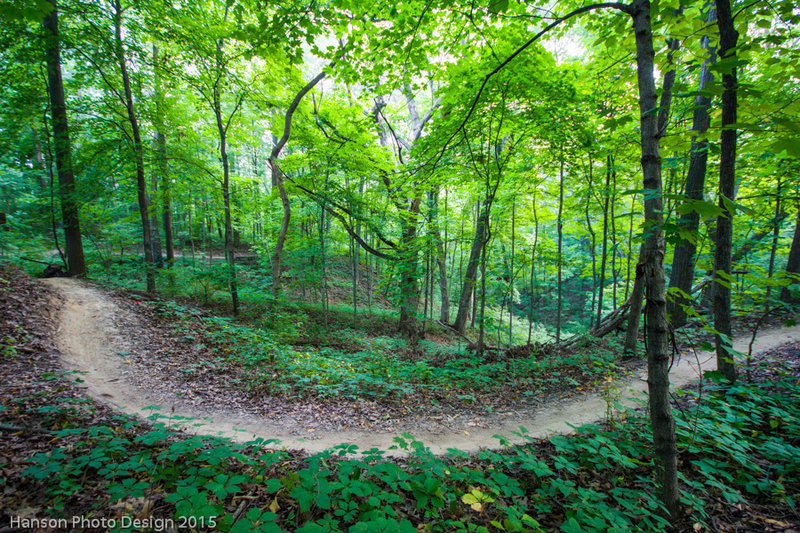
(91, 338)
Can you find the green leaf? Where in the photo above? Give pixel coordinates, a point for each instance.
(788, 147)
(703, 208)
(498, 6)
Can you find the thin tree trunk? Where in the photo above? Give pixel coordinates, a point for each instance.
(727, 178)
(481, 323)
(51, 179)
(604, 256)
(511, 275)
(662, 121)
(592, 251)
(630, 250)
(559, 259)
(470, 276)
(161, 151)
(141, 182)
(775, 234)
(70, 212)
(155, 234)
(684, 257)
(635, 312)
(277, 180)
(793, 265)
(653, 266)
(222, 131)
(441, 256)
(533, 267)
(354, 274)
(614, 272)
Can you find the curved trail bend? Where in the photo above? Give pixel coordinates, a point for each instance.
(91, 339)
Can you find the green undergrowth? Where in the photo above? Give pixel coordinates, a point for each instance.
(738, 445)
(373, 367)
(291, 315)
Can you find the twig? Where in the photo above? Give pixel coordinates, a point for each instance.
(19, 429)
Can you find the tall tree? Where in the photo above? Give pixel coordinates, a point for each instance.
(161, 161)
(727, 177)
(683, 259)
(63, 149)
(278, 180)
(652, 265)
(223, 125)
(138, 151)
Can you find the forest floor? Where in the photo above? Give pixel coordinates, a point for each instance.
(65, 454)
(122, 360)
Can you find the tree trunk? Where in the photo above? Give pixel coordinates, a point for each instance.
(662, 121)
(511, 274)
(141, 182)
(776, 227)
(793, 266)
(559, 257)
(635, 312)
(277, 251)
(63, 151)
(613, 217)
(533, 267)
(604, 253)
(155, 234)
(592, 250)
(277, 181)
(441, 256)
(653, 266)
(409, 288)
(727, 178)
(481, 323)
(630, 250)
(161, 151)
(684, 257)
(230, 253)
(471, 273)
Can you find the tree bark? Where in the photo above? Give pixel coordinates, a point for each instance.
(635, 312)
(230, 253)
(441, 257)
(652, 265)
(793, 266)
(662, 120)
(592, 250)
(560, 242)
(161, 152)
(533, 266)
(511, 273)
(727, 193)
(604, 253)
(277, 180)
(471, 273)
(776, 227)
(684, 256)
(155, 234)
(70, 212)
(409, 288)
(141, 182)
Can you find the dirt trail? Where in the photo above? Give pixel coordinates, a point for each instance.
(91, 337)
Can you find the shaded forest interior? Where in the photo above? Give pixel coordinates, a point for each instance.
(440, 202)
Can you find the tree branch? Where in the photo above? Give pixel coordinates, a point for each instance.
(625, 8)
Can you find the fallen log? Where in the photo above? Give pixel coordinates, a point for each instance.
(471, 345)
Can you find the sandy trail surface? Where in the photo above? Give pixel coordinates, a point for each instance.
(91, 337)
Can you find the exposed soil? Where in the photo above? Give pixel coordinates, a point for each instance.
(105, 342)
